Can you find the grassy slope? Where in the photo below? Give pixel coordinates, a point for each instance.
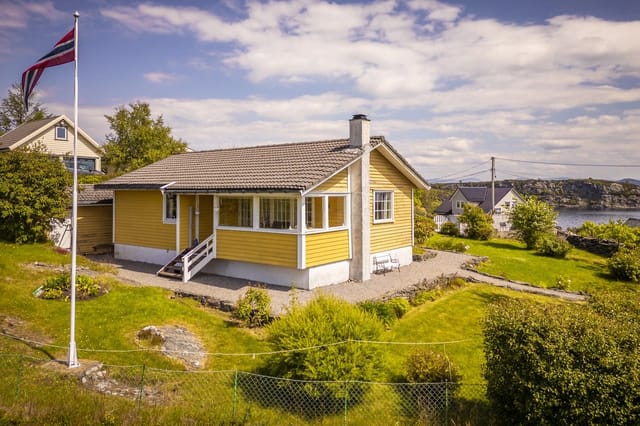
(110, 321)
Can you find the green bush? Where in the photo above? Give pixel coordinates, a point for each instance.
(302, 335)
(59, 286)
(425, 296)
(450, 228)
(479, 225)
(254, 308)
(400, 306)
(426, 366)
(424, 227)
(553, 246)
(564, 364)
(532, 219)
(625, 264)
(613, 231)
(387, 312)
(449, 245)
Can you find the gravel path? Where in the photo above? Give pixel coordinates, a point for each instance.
(229, 290)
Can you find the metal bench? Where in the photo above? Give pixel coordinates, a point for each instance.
(385, 263)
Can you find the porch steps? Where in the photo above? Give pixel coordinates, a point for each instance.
(174, 268)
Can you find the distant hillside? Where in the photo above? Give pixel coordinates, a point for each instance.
(573, 193)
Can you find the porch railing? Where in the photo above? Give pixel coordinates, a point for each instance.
(197, 258)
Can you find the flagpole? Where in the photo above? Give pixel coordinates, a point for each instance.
(72, 358)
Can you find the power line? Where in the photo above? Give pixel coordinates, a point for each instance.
(550, 163)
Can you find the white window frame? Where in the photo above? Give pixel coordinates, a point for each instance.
(460, 204)
(245, 211)
(59, 138)
(389, 216)
(165, 201)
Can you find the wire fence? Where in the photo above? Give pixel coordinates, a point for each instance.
(143, 395)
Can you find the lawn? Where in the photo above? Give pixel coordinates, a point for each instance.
(510, 259)
(106, 328)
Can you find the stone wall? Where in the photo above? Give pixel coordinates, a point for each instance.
(592, 245)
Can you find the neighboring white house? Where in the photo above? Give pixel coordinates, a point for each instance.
(56, 134)
(453, 207)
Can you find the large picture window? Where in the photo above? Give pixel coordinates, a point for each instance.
(382, 206)
(236, 211)
(170, 207)
(278, 213)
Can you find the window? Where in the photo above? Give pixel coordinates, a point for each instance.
(460, 204)
(236, 211)
(170, 207)
(507, 204)
(313, 212)
(497, 210)
(336, 211)
(61, 133)
(278, 213)
(382, 206)
(84, 164)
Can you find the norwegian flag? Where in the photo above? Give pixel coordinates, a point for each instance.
(63, 52)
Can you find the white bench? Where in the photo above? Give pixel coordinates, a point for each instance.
(384, 262)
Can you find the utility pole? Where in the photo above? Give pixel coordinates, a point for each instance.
(493, 184)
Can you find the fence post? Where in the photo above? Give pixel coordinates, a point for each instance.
(446, 403)
(19, 378)
(141, 390)
(346, 402)
(235, 394)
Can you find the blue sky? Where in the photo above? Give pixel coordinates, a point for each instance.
(449, 84)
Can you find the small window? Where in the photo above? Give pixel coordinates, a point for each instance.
(507, 204)
(460, 204)
(382, 206)
(61, 133)
(170, 207)
(497, 210)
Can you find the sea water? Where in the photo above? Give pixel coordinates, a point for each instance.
(573, 218)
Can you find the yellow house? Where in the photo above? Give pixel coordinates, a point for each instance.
(305, 214)
(56, 135)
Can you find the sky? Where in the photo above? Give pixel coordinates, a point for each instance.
(550, 88)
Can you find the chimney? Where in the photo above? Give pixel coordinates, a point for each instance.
(359, 130)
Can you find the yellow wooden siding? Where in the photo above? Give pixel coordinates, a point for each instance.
(396, 234)
(206, 216)
(139, 220)
(257, 247)
(327, 247)
(337, 183)
(94, 227)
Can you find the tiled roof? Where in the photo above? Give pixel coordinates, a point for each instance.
(290, 167)
(22, 131)
(88, 195)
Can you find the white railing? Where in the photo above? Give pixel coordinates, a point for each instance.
(198, 257)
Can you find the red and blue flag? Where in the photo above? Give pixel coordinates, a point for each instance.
(63, 52)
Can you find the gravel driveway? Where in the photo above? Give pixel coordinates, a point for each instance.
(229, 290)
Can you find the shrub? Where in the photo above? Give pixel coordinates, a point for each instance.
(563, 283)
(425, 296)
(613, 231)
(450, 228)
(387, 312)
(564, 364)
(424, 227)
(553, 246)
(426, 366)
(59, 286)
(400, 306)
(254, 308)
(449, 245)
(479, 225)
(324, 321)
(625, 264)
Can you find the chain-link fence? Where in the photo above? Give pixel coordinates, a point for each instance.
(98, 393)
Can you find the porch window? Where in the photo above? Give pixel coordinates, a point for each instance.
(382, 206)
(170, 208)
(278, 213)
(236, 211)
(313, 212)
(336, 212)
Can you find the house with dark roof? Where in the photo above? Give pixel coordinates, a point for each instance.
(306, 214)
(56, 135)
(504, 201)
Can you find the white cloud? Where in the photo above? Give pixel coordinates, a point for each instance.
(159, 77)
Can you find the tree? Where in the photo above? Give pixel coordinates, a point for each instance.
(479, 224)
(33, 190)
(424, 226)
(533, 219)
(12, 113)
(137, 140)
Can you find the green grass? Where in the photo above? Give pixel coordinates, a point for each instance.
(510, 259)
